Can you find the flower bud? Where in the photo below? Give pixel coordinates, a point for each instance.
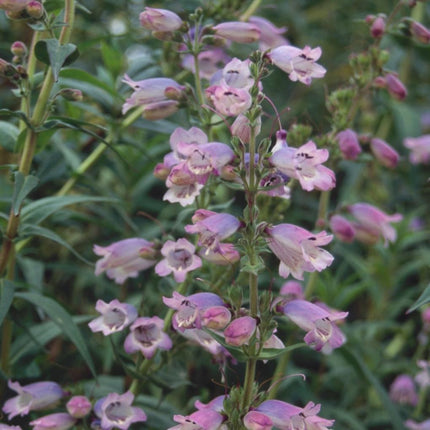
(7, 70)
(395, 87)
(242, 129)
(240, 330)
(380, 82)
(58, 421)
(342, 228)
(160, 20)
(216, 317)
(72, 94)
(160, 110)
(78, 406)
(241, 32)
(34, 9)
(161, 171)
(19, 49)
(384, 153)
(419, 32)
(348, 144)
(378, 27)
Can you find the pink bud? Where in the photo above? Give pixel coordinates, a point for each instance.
(240, 32)
(161, 171)
(395, 87)
(34, 9)
(160, 20)
(240, 330)
(348, 144)
(78, 406)
(378, 27)
(241, 128)
(384, 153)
(19, 49)
(419, 32)
(342, 228)
(380, 82)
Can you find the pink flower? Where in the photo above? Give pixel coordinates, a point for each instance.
(205, 419)
(349, 144)
(209, 62)
(32, 397)
(78, 406)
(122, 260)
(372, 223)
(270, 36)
(179, 259)
(402, 391)
(147, 335)
(59, 421)
(284, 416)
(229, 101)
(298, 249)
(384, 153)
(115, 411)
(323, 334)
(300, 64)
(242, 129)
(115, 316)
(378, 27)
(342, 228)
(423, 378)
(160, 20)
(395, 86)
(240, 331)
(237, 31)
(419, 32)
(305, 164)
(420, 149)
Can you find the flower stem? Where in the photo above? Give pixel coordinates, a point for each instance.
(250, 11)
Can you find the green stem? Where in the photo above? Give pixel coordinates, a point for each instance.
(250, 11)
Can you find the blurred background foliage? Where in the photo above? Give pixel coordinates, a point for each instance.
(375, 284)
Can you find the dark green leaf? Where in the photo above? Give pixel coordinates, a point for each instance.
(17, 114)
(8, 135)
(423, 299)
(23, 186)
(61, 317)
(49, 51)
(7, 291)
(112, 59)
(269, 353)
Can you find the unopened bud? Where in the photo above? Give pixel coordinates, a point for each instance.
(22, 71)
(19, 49)
(78, 406)
(342, 228)
(379, 82)
(160, 110)
(228, 173)
(7, 70)
(16, 59)
(240, 331)
(384, 153)
(419, 32)
(72, 94)
(395, 87)
(161, 171)
(348, 144)
(378, 27)
(34, 9)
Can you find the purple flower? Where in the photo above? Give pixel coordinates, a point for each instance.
(348, 144)
(122, 260)
(241, 128)
(78, 406)
(209, 62)
(284, 416)
(413, 425)
(116, 411)
(159, 20)
(323, 334)
(32, 397)
(300, 64)
(305, 164)
(179, 259)
(377, 28)
(384, 153)
(342, 228)
(59, 421)
(402, 391)
(420, 149)
(395, 86)
(150, 92)
(115, 316)
(205, 419)
(6, 427)
(237, 31)
(372, 223)
(298, 249)
(147, 335)
(270, 35)
(212, 227)
(240, 331)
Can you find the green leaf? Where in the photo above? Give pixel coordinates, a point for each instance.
(361, 368)
(34, 213)
(23, 186)
(8, 135)
(62, 318)
(50, 52)
(7, 291)
(269, 353)
(27, 230)
(422, 300)
(112, 59)
(17, 114)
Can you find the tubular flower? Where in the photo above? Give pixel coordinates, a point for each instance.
(147, 335)
(115, 316)
(240, 330)
(384, 153)
(372, 223)
(32, 397)
(420, 149)
(122, 260)
(323, 334)
(413, 425)
(305, 164)
(205, 419)
(348, 144)
(225, 255)
(115, 411)
(298, 249)
(160, 20)
(284, 416)
(300, 64)
(78, 406)
(237, 31)
(270, 35)
(342, 228)
(403, 391)
(59, 421)
(179, 259)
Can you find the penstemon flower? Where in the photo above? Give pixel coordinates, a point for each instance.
(349, 144)
(58, 421)
(420, 149)
(402, 390)
(236, 31)
(160, 20)
(270, 35)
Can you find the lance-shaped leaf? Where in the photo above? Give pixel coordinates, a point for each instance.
(23, 186)
(7, 291)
